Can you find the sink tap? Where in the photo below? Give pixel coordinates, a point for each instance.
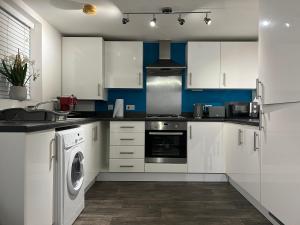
(35, 107)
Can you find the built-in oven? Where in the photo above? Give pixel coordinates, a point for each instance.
(166, 142)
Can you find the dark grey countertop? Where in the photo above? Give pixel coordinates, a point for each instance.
(19, 126)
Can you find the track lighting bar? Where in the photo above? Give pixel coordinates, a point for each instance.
(167, 11)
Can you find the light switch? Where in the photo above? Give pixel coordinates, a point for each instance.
(110, 107)
(130, 107)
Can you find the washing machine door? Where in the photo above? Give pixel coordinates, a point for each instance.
(75, 172)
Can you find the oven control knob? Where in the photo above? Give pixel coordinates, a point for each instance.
(176, 125)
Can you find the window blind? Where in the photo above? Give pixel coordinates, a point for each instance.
(14, 35)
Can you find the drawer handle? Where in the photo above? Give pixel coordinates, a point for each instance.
(126, 166)
(126, 153)
(126, 127)
(127, 139)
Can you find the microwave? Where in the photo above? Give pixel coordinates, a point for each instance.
(237, 109)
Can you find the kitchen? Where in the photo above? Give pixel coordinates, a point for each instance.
(168, 113)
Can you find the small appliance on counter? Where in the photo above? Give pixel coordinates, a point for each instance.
(216, 112)
(254, 109)
(237, 109)
(119, 109)
(67, 103)
(198, 111)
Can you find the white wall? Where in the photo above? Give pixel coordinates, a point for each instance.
(46, 51)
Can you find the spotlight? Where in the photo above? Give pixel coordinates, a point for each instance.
(207, 20)
(153, 22)
(180, 20)
(125, 20)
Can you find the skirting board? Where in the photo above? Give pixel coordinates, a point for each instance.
(162, 177)
(254, 202)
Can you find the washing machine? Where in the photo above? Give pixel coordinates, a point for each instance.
(68, 176)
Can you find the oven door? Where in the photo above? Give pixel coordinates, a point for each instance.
(166, 147)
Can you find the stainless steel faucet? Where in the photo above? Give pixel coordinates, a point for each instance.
(35, 107)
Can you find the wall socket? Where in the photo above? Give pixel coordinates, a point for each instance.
(110, 107)
(130, 107)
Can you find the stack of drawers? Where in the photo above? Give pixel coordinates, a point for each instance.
(127, 146)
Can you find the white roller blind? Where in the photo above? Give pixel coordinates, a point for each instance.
(14, 35)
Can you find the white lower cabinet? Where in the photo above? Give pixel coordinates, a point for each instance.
(205, 152)
(242, 146)
(26, 171)
(92, 151)
(127, 146)
(126, 165)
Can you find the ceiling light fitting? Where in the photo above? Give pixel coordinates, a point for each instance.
(207, 20)
(181, 21)
(153, 21)
(125, 20)
(89, 9)
(168, 11)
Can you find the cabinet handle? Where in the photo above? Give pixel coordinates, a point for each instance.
(258, 91)
(99, 90)
(255, 141)
(95, 133)
(224, 79)
(126, 153)
(240, 137)
(126, 166)
(191, 132)
(140, 78)
(127, 139)
(261, 117)
(52, 151)
(127, 127)
(191, 79)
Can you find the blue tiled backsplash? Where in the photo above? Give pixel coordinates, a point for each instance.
(137, 97)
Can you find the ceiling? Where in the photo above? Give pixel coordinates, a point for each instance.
(232, 19)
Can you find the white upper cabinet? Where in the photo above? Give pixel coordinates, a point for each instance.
(83, 67)
(239, 65)
(279, 51)
(124, 64)
(205, 152)
(203, 61)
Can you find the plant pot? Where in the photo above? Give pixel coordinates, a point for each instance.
(18, 93)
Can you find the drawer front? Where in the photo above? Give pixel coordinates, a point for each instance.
(127, 126)
(127, 152)
(127, 139)
(126, 165)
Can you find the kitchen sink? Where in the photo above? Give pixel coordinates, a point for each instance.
(38, 115)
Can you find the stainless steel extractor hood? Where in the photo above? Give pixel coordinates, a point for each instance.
(165, 66)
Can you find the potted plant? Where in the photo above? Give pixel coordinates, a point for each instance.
(14, 68)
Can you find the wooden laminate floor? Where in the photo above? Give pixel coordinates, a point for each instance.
(167, 203)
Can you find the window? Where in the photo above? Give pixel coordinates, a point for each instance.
(14, 35)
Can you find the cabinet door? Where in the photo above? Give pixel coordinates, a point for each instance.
(91, 152)
(82, 67)
(203, 65)
(232, 139)
(124, 64)
(250, 179)
(205, 152)
(280, 171)
(38, 172)
(239, 65)
(279, 50)
(233, 142)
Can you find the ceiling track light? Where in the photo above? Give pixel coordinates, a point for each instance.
(207, 20)
(153, 21)
(125, 20)
(168, 11)
(180, 20)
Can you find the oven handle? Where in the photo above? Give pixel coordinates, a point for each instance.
(166, 133)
